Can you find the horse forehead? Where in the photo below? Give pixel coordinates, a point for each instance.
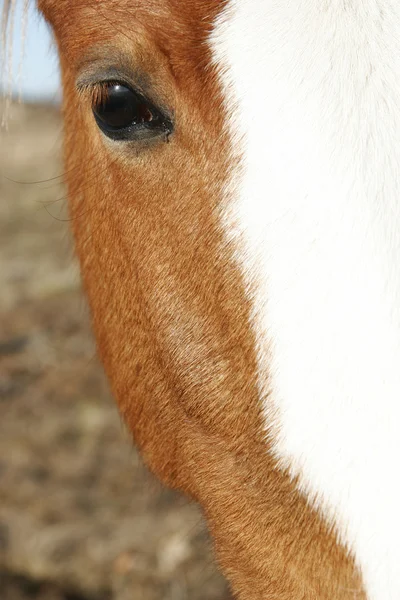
(179, 30)
(169, 13)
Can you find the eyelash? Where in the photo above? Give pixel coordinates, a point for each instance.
(95, 93)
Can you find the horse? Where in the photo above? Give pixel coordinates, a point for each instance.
(233, 173)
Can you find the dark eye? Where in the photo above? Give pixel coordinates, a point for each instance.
(123, 114)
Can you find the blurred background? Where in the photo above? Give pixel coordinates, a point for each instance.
(80, 516)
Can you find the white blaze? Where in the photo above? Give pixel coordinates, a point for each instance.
(313, 88)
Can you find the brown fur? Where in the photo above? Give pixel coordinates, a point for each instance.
(169, 306)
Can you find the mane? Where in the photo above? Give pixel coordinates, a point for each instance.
(7, 22)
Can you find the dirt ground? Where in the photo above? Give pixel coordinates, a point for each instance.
(80, 516)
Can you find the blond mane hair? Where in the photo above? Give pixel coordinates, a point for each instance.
(7, 23)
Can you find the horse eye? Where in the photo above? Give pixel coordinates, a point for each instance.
(122, 113)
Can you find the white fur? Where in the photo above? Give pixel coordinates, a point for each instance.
(312, 87)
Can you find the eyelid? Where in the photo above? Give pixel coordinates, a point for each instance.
(89, 83)
(92, 78)
(105, 75)
(92, 69)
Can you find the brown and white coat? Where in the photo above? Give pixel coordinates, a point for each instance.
(244, 278)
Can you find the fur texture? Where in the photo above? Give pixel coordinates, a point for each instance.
(313, 90)
(195, 315)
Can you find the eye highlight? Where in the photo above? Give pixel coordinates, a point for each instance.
(124, 114)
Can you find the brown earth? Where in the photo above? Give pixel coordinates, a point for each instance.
(80, 516)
